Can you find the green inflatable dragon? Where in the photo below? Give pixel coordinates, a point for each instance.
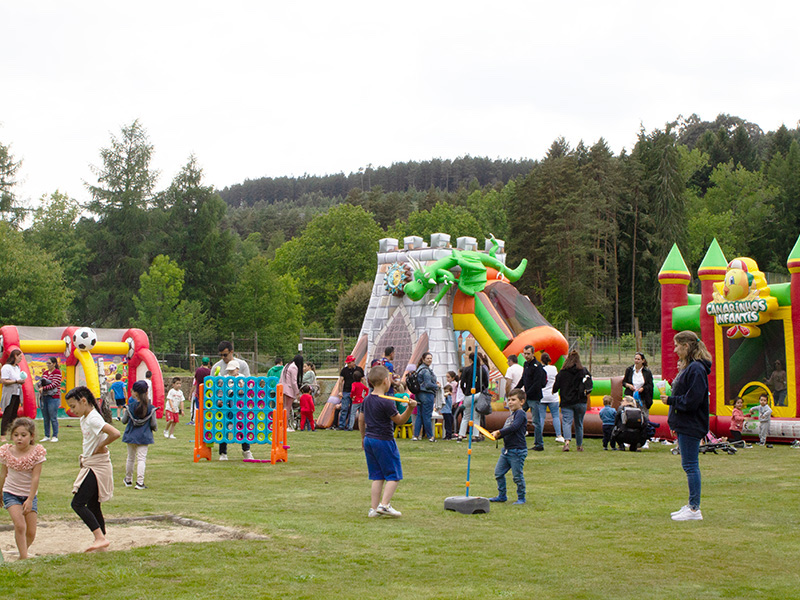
(473, 277)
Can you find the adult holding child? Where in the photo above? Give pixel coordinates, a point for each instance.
(688, 414)
(428, 385)
(573, 383)
(50, 386)
(292, 380)
(638, 382)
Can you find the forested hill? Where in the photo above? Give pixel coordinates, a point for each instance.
(445, 175)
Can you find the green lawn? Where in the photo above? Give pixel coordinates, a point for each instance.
(596, 526)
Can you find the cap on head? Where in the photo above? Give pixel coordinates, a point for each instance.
(350, 358)
(140, 387)
(234, 364)
(206, 360)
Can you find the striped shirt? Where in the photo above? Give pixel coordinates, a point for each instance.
(54, 387)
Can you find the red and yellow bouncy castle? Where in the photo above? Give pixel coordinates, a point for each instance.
(750, 326)
(82, 352)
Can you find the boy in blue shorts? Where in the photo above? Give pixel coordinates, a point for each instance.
(377, 438)
(515, 451)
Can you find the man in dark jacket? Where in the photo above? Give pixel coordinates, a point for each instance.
(534, 378)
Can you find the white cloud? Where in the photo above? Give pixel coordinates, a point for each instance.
(257, 89)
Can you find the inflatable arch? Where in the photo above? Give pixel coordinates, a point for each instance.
(80, 350)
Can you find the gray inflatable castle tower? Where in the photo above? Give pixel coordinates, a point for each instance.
(410, 327)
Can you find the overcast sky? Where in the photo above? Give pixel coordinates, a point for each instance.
(267, 88)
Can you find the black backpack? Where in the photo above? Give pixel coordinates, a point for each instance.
(632, 418)
(412, 383)
(586, 385)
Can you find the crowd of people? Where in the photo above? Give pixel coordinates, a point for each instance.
(378, 404)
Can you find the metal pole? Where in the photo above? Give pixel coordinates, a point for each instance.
(471, 413)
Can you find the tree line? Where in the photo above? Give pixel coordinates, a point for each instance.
(595, 227)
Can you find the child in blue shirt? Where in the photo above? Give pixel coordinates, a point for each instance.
(447, 412)
(515, 450)
(377, 438)
(118, 389)
(608, 416)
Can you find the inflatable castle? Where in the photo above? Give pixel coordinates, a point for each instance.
(442, 299)
(751, 328)
(86, 356)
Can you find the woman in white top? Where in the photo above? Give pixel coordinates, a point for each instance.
(12, 379)
(549, 399)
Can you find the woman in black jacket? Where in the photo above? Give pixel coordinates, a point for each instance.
(688, 414)
(573, 384)
(638, 378)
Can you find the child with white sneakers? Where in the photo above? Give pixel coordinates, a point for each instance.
(377, 439)
(174, 407)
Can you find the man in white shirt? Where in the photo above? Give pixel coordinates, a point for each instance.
(220, 369)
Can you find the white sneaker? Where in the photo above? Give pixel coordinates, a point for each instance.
(53, 439)
(45, 439)
(680, 510)
(388, 511)
(223, 457)
(166, 435)
(560, 439)
(172, 437)
(646, 445)
(415, 439)
(247, 455)
(373, 513)
(688, 515)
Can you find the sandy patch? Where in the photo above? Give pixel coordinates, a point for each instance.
(65, 537)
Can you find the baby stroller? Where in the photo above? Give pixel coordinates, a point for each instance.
(711, 443)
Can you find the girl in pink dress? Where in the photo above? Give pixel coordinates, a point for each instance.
(21, 468)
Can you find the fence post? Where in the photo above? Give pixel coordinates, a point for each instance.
(341, 349)
(255, 350)
(637, 335)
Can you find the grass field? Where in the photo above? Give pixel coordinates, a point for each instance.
(596, 525)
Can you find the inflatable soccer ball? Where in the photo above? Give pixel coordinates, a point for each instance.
(85, 338)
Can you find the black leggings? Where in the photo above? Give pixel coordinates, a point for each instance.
(85, 502)
(9, 414)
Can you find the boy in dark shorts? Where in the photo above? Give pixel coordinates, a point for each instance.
(377, 438)
(118, 388)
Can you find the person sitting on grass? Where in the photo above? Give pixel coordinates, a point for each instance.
(630, 426)
(515, 450)
(383, 458)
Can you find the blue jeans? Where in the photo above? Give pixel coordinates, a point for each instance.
(538, 422)
(50, 406)
(344, 412)
(690, 451)
(424, 420)
(575, 413)
(553, 406)
(513, 459)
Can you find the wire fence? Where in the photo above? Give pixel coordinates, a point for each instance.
(328, 349)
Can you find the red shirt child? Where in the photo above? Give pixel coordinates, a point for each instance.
(358, 391)
(306, 408)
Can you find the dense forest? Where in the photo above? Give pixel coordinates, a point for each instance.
(276, 255)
